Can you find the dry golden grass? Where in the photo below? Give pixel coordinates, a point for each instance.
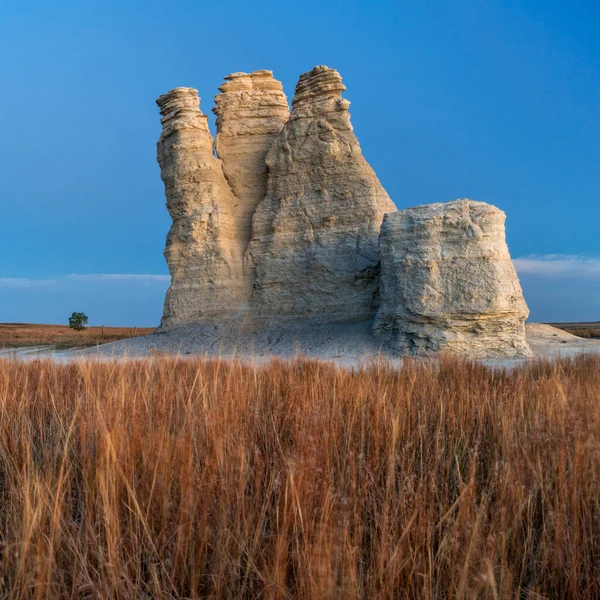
(584, 329)
(186, 479)
(18, 335)
(588, 332)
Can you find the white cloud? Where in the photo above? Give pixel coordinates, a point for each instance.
(23, 283)
(534, 264)
(120, 277)
(28, 283)
(559, 265)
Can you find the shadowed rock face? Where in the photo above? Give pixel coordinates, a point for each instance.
(314, 247)
(448, 283)
(203, 250)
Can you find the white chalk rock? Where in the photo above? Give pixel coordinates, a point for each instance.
(447, 283)
(314, 235)
(251, 111)
(204, 247)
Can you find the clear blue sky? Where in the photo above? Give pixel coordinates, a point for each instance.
(497, 101)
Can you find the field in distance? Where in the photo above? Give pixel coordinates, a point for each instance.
(20, 335)
(589, 329)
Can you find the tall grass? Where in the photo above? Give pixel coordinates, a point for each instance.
(185, 479)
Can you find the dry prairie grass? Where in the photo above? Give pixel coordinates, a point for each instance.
(19, 335)
(589, 332)
(186, 479)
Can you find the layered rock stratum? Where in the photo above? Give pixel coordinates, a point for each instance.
(277, 240)
(251, 111)
(204, 249)
(315, 233)
(448, 283)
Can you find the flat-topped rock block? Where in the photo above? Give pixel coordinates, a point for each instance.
(448, 284)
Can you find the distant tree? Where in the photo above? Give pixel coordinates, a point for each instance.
(78, 321)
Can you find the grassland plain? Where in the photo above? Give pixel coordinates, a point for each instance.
(19, 335)
(590, 333)
(590, 330)
(164, 478)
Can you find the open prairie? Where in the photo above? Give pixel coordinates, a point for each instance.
(165, 478)
(582, 329)
(18, 335)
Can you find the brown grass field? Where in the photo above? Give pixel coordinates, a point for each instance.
(190, 479)
(17, 335)
(585, 333)
(583, 330)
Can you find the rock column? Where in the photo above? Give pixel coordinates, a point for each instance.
(203, 249)
(251, 111)
(314, 235)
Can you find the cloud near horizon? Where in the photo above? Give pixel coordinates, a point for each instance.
(26, 282)
(533, 264)
(559, 265)
(124, 299)
(137, 298)
(560, 287)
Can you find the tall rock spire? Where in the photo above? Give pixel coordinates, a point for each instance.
(203, 250)
(251, 111)
(314, 244)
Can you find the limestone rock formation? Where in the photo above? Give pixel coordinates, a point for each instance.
(251, 111)
(448, 283)
(204, 250)
(287, 222)
(314, 241)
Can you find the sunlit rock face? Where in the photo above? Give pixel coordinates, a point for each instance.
(287, 220)
(251, 111)
(314, 248)
(203, 250)
(448, 283)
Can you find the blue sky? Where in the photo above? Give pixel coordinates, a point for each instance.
(497, 101)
